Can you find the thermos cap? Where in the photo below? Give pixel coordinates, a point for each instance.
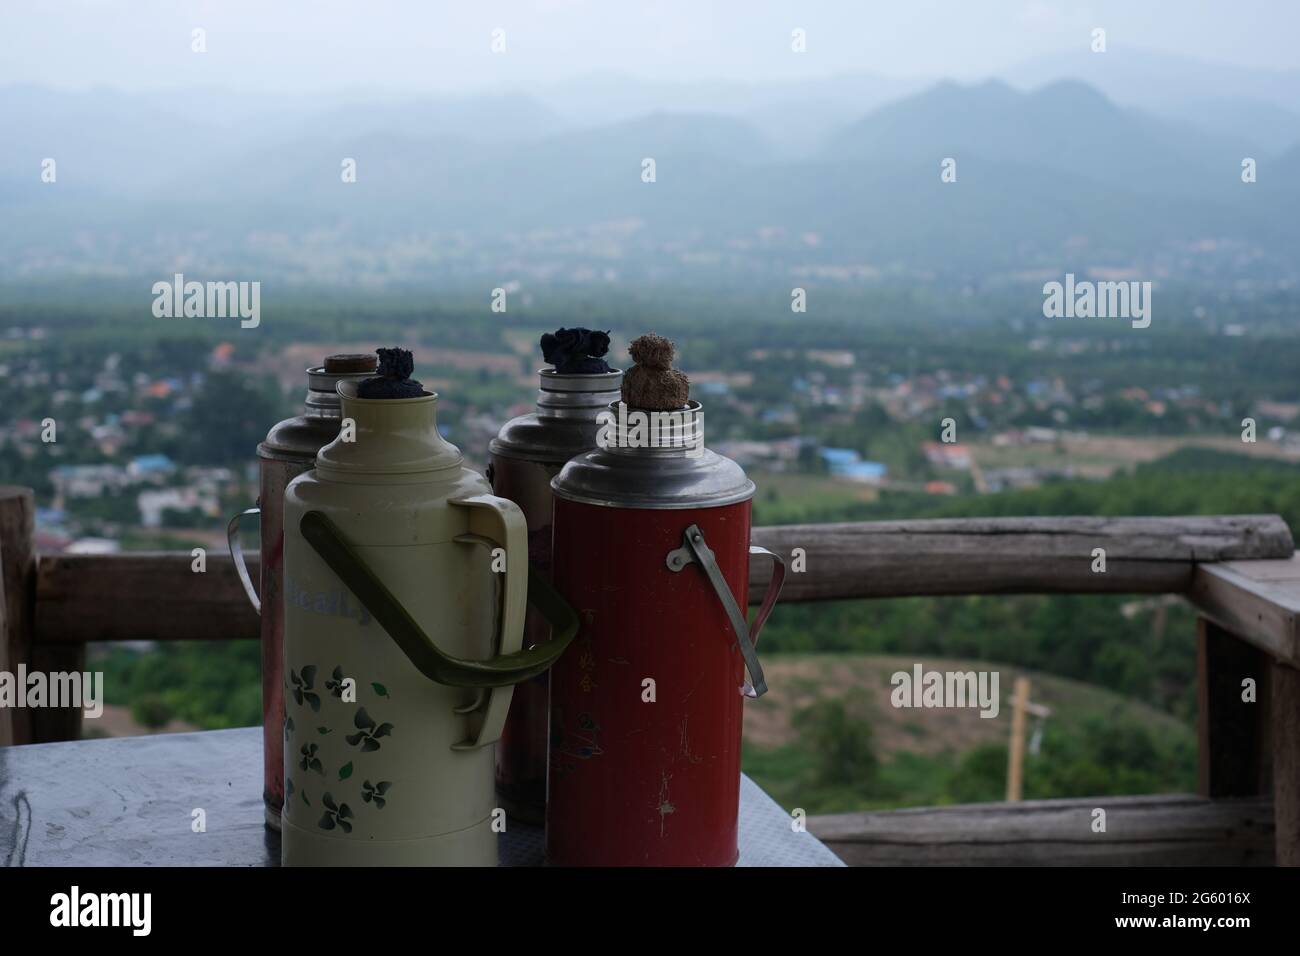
(678, 474)
(356, 362)
(298, 439)
(553, 381)
(564, 423)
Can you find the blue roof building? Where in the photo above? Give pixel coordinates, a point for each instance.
(151, 465)
(847, 463)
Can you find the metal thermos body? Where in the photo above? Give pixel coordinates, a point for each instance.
(289, 450)
(652, 550)
(527, 453)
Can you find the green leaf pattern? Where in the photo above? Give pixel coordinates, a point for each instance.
(337, 814)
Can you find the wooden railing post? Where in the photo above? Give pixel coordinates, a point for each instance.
(21, 725)
(52, 724)
(1232, 732)
(17, 599)
(1285, 691)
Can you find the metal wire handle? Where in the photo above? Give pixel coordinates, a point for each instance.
(237, 552)
(695, 549)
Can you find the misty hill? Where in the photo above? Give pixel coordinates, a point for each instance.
(1051, 179)
(1257, 109)
(1067, 125)
(795, 116)
(138, 142)
(1153, 80)
(420, 178)
(493, 119)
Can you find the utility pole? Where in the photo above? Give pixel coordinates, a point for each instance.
(1016, 764)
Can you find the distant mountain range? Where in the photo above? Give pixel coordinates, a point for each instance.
(1260, 107)
(835, 178)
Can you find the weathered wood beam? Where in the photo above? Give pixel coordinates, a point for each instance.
(1258, 601)
(157, 597)
(1011, 555)
(1175, 830)
(144, 596)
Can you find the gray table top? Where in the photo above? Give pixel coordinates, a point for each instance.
(129, 802)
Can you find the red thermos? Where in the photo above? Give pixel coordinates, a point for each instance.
(651, 547)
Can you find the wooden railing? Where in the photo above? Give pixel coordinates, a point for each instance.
(1236, 570)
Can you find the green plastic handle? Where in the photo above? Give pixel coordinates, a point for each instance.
(500, 671)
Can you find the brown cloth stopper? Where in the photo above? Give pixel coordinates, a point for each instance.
(652, 383)
(338, 364)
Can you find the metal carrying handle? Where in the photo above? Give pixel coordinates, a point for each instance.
(500, 671)
(774, 585)
(237, 552)
(695, 549)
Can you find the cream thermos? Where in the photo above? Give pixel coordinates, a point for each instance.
(399, 653)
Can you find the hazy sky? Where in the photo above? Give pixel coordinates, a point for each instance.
(410, 45)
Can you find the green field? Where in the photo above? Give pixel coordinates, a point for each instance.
(782, 498)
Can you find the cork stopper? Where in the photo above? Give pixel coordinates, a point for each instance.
(340, 364)
(652, 383)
